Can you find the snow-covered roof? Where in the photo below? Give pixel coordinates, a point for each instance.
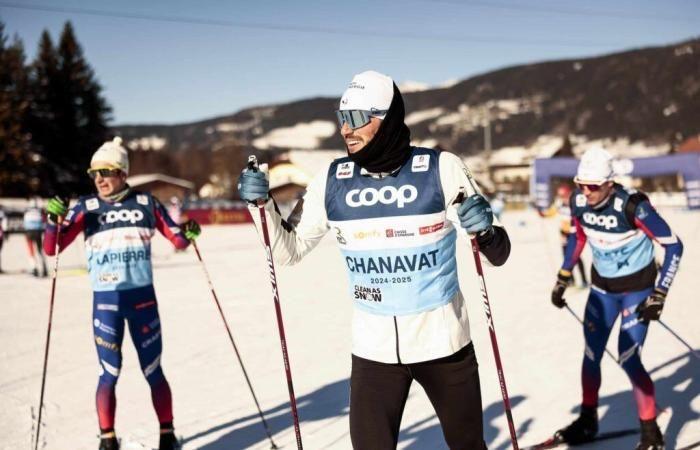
(287, 173)
(139, 180)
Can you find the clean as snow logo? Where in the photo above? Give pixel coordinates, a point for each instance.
(386, 195)
(602, 221)
(123, 215)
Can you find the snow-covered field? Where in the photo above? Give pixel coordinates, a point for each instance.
(541, 348)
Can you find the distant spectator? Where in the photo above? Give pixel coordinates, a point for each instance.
(33, 229)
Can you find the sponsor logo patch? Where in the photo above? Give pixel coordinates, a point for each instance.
(107, 307)
(392, 232)
(642, 212)
(142, 199)
(151, 339)
(344, 170)
(617, 204)
(366, 234)
(108, 278)
(431, 228)
(580, 200)
(420, 163)
(145, 304)
(106, 344)
(92, 204)
(104, 328)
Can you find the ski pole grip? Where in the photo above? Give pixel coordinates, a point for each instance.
(252, 163)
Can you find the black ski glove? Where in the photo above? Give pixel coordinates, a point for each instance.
(563, 280)
(650, 309)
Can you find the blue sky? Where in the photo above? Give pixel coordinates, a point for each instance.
(185, 60)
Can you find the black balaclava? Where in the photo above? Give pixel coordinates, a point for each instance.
(391, 146)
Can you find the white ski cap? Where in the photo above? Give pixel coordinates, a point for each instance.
(368, 91)
(595, 167)
(113, 154)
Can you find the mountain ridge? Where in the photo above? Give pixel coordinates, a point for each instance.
(650, 94)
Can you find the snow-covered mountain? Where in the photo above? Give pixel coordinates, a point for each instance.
(646, 96)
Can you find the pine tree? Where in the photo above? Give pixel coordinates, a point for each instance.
(69, 115)
(18, 170)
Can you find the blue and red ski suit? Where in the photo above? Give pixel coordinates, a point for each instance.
(118, 249)
(624, 273)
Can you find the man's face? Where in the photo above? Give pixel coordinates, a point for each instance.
(355, 140)
(111, 184)
(594, 197)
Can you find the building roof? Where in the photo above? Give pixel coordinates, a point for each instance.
(140, 180)
(692, 144)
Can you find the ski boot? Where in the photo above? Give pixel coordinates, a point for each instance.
(168, 441)
(108, 441)
(582, 429)
(651, 439)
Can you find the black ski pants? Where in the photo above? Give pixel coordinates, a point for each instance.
(378, 393)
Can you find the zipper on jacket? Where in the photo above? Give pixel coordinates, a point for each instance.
(396, 330)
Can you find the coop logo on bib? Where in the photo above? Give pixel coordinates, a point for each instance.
(386, 195)
(602, 221)
(123, 215)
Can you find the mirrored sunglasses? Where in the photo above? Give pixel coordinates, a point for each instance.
(104, 172)
(589, 186)
(357, 118)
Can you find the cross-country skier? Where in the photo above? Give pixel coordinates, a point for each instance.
(119, 224)
(33, 222)
(391, 208)
(620, 224)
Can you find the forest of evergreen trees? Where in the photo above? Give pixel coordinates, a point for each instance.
(52, 117)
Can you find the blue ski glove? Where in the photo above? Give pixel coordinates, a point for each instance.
(253, 185)
(475, 214)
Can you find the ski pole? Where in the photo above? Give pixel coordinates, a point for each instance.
(252, 165)
(692, 351)
(235, 349)
(581, 322)
(48, 330)
(494, 343)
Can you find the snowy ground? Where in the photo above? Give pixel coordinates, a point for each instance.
(541, 348)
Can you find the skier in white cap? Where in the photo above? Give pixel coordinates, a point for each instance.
(118, 224)
(620, 224)
(395, 211)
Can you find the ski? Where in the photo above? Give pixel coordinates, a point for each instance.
(555, 441)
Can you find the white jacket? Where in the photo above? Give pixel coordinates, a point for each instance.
(404, 339)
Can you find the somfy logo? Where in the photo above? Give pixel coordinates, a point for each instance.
(123, 215)
(602, 221)
(386, 195)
